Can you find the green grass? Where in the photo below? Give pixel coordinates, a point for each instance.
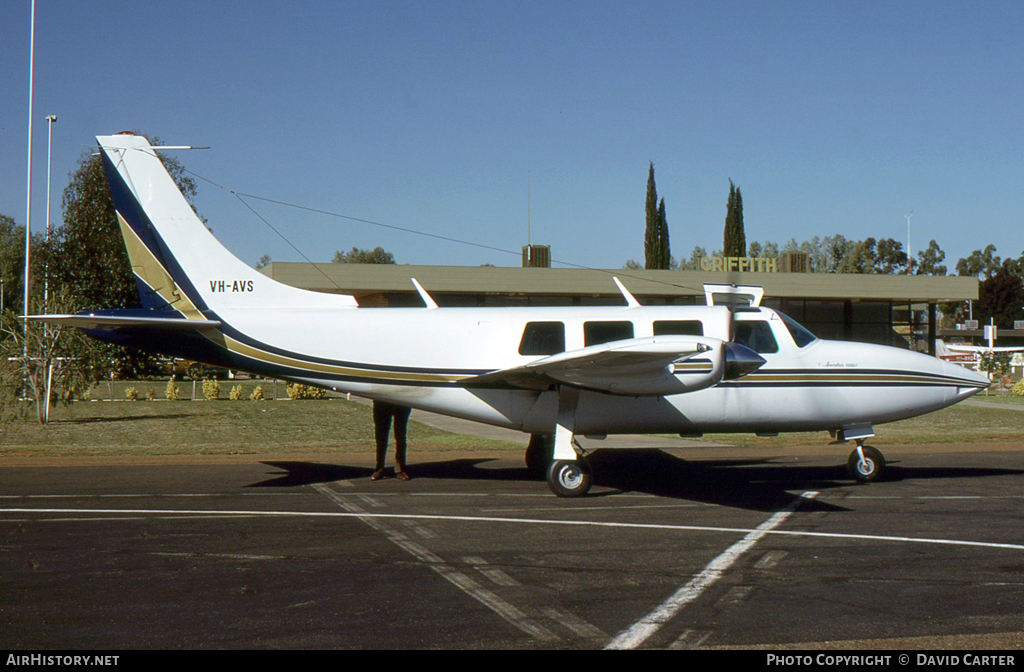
(1000, 398)
(223, 427)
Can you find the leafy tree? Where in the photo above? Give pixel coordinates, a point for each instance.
(816, 249)
(1014, 266)
(357, 256)
(930, 260)
(1000, 297)
(995, 364)
(12, 262)
(890, 257)
(38, 358)
(263, 261)
(693, 263)
(853, 256)
(86, 254)
(979, 263)
(734, 242)
(865, 256)
(765, 249)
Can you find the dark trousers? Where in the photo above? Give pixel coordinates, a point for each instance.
(383, 414)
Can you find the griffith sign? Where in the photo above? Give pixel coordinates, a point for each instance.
(740, 264)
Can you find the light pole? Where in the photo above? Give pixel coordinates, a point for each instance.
(50, 119)
(28, 186)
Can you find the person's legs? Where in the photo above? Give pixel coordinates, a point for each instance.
(381, 429)
(401, 427)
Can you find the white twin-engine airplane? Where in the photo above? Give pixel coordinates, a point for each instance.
(558, 371)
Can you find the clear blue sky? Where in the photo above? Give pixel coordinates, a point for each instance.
(832, 117)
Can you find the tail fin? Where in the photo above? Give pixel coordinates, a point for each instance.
(177, 262)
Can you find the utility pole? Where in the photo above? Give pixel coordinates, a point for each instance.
(910, 254)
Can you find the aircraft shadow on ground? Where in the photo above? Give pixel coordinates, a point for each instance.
(896, 472)
(125, 418)
(755, 484)
(735, 483)
(762, 485)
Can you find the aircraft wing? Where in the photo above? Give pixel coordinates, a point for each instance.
(954, 347)
(110, 322)
(639, 367)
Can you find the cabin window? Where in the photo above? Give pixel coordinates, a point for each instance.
(678, 328)
(595, 333)
(756, 335)
(542, 338)
(800, 335)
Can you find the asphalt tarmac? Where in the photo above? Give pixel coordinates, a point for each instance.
(686, 547)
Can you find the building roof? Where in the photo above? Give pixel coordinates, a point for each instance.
(375, 279)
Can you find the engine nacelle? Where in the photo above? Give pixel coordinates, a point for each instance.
(662, 365)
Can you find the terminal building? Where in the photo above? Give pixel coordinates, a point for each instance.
(896, 310)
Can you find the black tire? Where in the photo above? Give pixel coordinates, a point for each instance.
(871, 470)
(538, 454)
(196, 371)
(569, 479)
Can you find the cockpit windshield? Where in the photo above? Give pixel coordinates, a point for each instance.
(800, 335)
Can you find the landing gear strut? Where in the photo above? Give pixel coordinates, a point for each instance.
(568, 475)
(866, 463)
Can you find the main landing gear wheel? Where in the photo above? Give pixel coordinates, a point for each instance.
(868, 470)
(569, 479)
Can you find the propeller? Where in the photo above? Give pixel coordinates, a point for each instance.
(740, 360)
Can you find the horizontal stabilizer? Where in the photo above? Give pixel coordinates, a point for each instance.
(110, 322)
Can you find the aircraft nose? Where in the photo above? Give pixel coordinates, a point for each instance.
(969, 379)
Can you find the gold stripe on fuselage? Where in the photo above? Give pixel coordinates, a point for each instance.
(265, 357)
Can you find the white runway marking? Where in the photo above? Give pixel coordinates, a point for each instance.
(643, 629)
(770, 559)
(512, 521)
(574, 623)
(229, 556)
(437, 563)
(690, 639)
(496, 575)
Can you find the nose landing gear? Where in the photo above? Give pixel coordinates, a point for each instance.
(866, 463)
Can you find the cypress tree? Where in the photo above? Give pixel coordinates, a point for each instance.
(664, 254)
(656, 248)
(652, 230)
(734, 243)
